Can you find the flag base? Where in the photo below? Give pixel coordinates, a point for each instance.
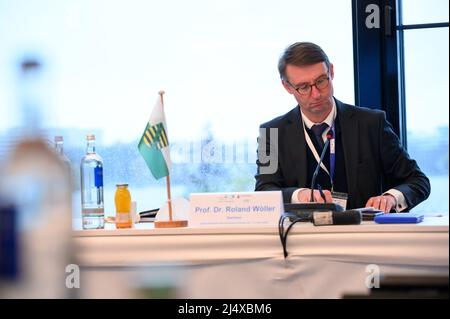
(171, 223)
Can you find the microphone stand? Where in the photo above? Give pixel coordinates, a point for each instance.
(304, 211)
(316, 172)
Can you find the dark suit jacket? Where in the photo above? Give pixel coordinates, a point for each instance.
(374, 159)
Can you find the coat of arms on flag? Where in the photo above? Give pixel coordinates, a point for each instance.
(154, 144)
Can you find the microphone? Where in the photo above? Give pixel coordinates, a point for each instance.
(316, 172)
(305, 210)
(348, 217)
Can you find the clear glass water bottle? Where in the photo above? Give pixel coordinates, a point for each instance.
(92, 206)
(59, 145)
(59, 149)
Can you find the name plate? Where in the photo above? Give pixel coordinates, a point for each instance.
(235, 209)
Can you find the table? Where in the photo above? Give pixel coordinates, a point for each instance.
(248, 262)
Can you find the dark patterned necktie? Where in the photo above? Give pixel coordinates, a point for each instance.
(318, 130)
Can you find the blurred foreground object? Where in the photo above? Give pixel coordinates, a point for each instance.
(8, 241)
(37, 182)
(30, 94)
(408, 287)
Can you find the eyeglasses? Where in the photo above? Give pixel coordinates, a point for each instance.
(320, 84)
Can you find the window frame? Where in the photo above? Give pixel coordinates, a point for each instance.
(379, 60)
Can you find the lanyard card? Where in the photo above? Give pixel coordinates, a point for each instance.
(340, 199)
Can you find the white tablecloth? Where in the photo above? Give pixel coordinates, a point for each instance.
(323, 262)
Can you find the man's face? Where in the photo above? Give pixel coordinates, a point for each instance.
(318, 102)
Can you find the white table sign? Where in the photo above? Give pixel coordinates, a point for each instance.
(235, 209)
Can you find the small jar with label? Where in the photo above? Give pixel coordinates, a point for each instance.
(122, 200)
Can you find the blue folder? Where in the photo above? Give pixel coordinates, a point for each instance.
(399, 218)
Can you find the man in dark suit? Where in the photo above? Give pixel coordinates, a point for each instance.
(365, 165)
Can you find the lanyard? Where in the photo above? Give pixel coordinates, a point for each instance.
(332, 153)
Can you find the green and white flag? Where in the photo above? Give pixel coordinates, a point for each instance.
(154, 145)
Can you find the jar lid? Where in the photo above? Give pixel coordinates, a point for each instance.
(123, 184)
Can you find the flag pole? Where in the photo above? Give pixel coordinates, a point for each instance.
(169, 199)
(170, 222)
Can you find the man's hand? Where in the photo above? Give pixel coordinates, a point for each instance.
(305, 195)
(384, 202)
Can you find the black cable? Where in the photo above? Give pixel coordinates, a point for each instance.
(321, 193)
(283, 237)
(280, 227)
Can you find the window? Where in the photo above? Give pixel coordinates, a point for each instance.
(426, 78)
(419, 11)
(105, 61)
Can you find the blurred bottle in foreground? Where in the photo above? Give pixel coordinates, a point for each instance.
(8, 241)
(38, 183)
(92, 205)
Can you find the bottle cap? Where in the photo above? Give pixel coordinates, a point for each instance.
(90, 137)
(123, 184)
(59, 138)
